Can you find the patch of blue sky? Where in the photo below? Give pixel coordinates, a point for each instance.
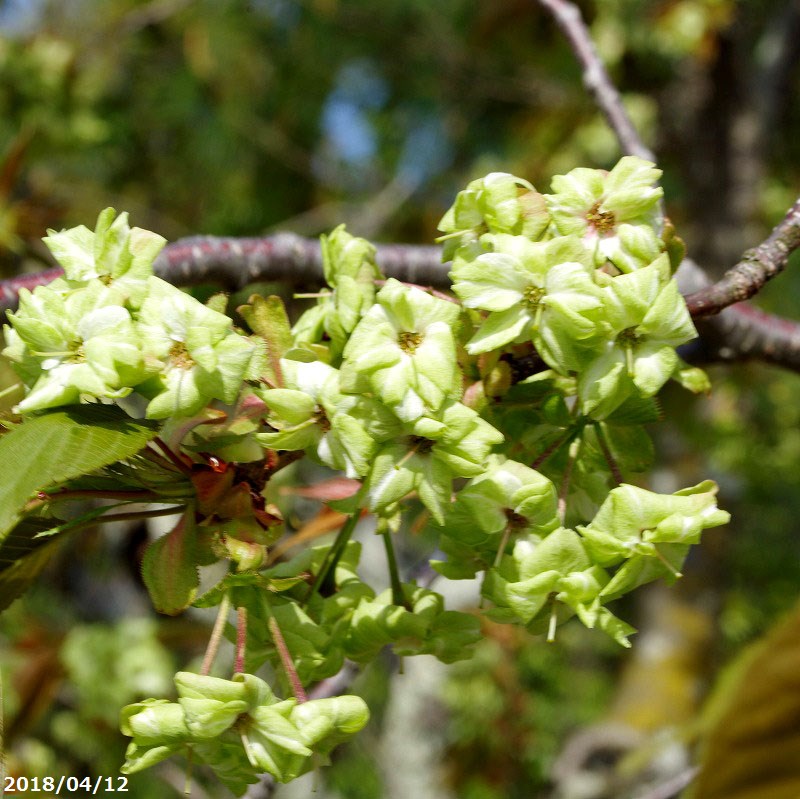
(18, 17)
(426, 151)
(345, 118)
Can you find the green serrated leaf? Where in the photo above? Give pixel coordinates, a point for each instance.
(636, 411)
(49, 449)
(169, 567)
(267, 317)
(630, 446)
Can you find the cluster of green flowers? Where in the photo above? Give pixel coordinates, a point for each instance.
(509, 411)
(239, 728)
(109, 327)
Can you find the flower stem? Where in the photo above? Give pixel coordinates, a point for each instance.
(551, 449)
(333, 554)
(574, 449)
(502, 548)
(551, 629)
(607, 454)
(660, 556)
(284, 653)
(241, 639)
(180, 464)
(216, 634)
(394, 574)
(6, 391)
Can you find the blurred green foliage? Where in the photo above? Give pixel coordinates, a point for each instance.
(238, 118)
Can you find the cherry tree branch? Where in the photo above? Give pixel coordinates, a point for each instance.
(234, 263)
(596, 78)
(756, 267)
(737, 333)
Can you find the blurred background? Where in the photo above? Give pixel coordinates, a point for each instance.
(243, 118)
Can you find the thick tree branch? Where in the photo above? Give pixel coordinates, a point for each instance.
(234, 263)
(756, 267)
(738, 333)
(743, 333)
(595, 77)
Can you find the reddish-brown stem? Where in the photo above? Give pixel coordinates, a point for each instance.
(756, 267)
(606, 450)
(241, 639)
(216, 635)
(553, 448)
(176, 460)
(286, 660)
(568, 17)
(565, 480)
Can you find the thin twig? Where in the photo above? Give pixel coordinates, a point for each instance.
(333, 554)
(565, 480)
(552, 448)
(133, 516)
(398, 597)
(180, 464)
(595, 77)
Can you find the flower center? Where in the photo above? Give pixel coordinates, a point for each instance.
(179, 356)
(76, 352)
(420, 444)
(515, 520)
(321, 419)
(409, 341)
(533, 296)
(601, 221)
(628, 337)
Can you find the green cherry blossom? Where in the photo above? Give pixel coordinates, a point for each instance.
(350, 270)
(403, 350)
(645, 319)
(650, 532)
(544, 582)
(498, 203)
(119, 256)
(195, 351)
(616, 213)
(426, 457)
(539, 291)
(69, 347)
(507, 501)
(311, 413)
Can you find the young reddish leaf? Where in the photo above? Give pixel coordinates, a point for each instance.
(169, 567)
(326, 490)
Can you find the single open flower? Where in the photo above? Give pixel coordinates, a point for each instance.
(70, 347)
(535, 291)
(645, 319)
(194, 349)
(616, 213)
(403, 350)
